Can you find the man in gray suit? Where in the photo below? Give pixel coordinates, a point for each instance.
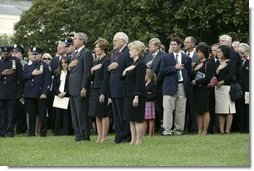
(153, 61)
(190, 116)
(79, 87)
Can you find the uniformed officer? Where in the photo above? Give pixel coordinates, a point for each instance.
(69, 48)
(10, 79)
(18, 52)
(37, 79)
(20, 115)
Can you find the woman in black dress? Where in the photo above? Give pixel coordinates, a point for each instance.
(98, 102)
(200, 88)
(135, 91)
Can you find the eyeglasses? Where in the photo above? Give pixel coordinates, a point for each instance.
(46, 59)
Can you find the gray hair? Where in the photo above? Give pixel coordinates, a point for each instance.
(244, 47)
(82, 36)
(228, 38)
(123, 36)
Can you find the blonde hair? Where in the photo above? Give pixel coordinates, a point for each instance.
(46, 55)
(139, 46)
(150, 74)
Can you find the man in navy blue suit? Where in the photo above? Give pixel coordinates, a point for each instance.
(176, 69)
(10, 85)
(121, 60)
(37, 78)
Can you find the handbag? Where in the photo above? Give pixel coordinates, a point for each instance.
(235, 92)
(213, 82)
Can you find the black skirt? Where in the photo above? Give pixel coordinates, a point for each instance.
(136, 114)
(95, 107)
(201, 99)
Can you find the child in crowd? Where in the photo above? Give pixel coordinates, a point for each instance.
(150, 102)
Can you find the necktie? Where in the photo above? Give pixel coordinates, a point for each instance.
(178, 71)
(117, 55)
(74, 55)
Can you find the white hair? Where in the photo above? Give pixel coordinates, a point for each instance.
(228, 38)
(244, 47)
(123, 36)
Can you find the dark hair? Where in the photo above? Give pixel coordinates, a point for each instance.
(204, 48)
(225, 50)
(60, 68)
(177, 40)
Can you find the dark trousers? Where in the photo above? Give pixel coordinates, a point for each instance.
(79, 115)
(20, 118)
(122, 126)
(50, 111)
(212, 124)
(159, 111)
(7, 111)
(36, 106)
(243, 116)
(190, 115)
(62, 121)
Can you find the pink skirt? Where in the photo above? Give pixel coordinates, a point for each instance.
(150, 110)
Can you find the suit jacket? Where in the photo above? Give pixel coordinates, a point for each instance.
(135, 80)
(54, 63)
(235, 58)
(213, 64)
(100, 77)
(35, 85)
(10, 85)
(169, 72)
(80, 75)
(194, 58)
(115, 83)
(155, 66)
(56, 84)
(244, 75)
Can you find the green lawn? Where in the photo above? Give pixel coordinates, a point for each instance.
(187, 150)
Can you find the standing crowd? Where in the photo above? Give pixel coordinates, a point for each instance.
(133, 89)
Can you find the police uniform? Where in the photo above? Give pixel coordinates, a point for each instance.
(34, 87)
(9, 90)
(20, 115)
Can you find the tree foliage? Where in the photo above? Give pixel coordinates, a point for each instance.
(48, 21)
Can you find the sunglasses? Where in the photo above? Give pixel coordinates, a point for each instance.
(46, 59)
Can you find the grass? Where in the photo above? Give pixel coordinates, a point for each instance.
(188, 150)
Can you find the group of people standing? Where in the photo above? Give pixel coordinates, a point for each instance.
(148, 88)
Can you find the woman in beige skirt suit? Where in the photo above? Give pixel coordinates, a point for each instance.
(224, 106)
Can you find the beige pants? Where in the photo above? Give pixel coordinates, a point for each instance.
(177, 103)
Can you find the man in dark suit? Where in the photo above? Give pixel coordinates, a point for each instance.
(244, 70)
(37, 78)
(176, 69)
(191, 116)
(10, 84)
(214, 122)
(79, 87)
(121, 60)
(153, 61)
(60, 53)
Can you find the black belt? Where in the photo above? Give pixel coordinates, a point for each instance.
(179, 82)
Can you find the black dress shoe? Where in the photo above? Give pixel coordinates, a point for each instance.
(87, 139)
(77, 139)
(10, 135)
